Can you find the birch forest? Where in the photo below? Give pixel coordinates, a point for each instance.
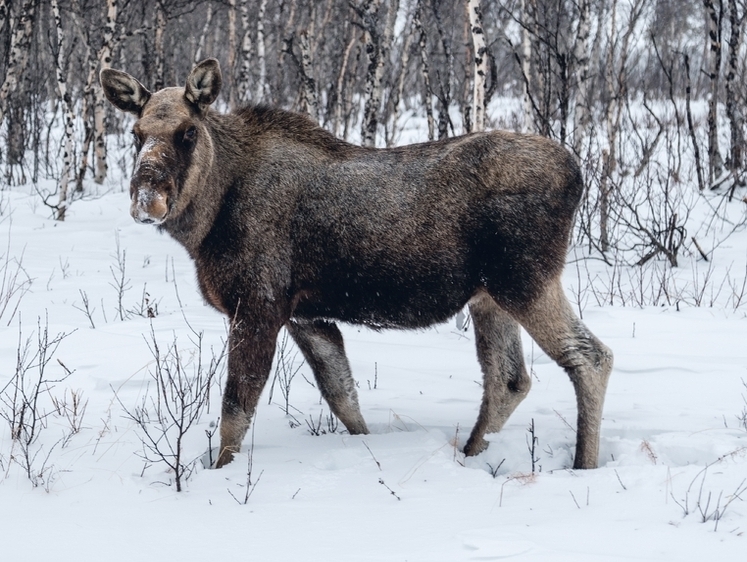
(648, 94)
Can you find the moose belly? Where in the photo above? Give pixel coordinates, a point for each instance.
(381, 299)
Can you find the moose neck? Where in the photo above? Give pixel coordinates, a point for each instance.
(194, 223)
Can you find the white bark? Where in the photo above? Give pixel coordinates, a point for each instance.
(581, 63)
(339, 99)
(4, 14)
(230, 74)
(377, 48)
(203, 35)
(526, 68)
(481, 64)
(20, 44)
(99, 109)
(69, 116)
(404, 62)
(310, 99)
(245, 54)
(262, 90)
(715, 16)
(424, 70)
(159, 47)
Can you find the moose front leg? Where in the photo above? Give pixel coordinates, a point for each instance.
(250, 357)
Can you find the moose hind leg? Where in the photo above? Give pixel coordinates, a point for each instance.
(322, 346)
(550, 320)
(505, 379)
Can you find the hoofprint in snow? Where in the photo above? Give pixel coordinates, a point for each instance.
(671, 483)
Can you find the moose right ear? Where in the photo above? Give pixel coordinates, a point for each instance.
(203, 84)
(124, 91)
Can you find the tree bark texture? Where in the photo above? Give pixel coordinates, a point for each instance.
(480, 64)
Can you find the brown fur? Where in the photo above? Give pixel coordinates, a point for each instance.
(289, 226)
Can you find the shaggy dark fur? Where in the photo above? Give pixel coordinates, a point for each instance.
(288, 225)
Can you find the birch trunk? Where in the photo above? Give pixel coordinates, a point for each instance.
(99, 109)
(310, 100)
(203, 35)
(581, 64)
(526, 67)
(245, 52)
(608, 156)
(230, 75)
(69, 116)
(368, 12)
(4, 14)
(733, 107)
(20, 44)
(396, 102)
(262, 91)
(444, 97)
(715, 17)
(480, 64)
(425, 70)
(159, 45)
(284, 25)
(339, 98)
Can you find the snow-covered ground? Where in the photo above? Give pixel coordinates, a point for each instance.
(671, 483)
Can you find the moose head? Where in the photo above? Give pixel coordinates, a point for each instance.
(174, 148)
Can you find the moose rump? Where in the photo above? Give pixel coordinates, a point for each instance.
(289, 226)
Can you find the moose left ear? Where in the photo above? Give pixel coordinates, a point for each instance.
(124, 91)
(203, 84)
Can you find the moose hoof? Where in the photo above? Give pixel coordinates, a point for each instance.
(225, 457)
(475, 446)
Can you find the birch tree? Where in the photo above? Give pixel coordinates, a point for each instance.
(4, 14)
(262, 84)
(733, 106)
(245, 54)
(230, 74)
(424, 68)
(368, 12)
(205, 28)
(715, 10)
(581, 62)
(68, 115)
(99, 110)
(20, 44)
(480, 64)
(525, 62)
(159, 44)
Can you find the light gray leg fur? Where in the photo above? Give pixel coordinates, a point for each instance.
(505, 379)
(322, 346)
(550, 320)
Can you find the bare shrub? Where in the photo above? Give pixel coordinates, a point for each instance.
(14, 284)
(183, 381)
(26, 402)
(287, 367)
(705, 503)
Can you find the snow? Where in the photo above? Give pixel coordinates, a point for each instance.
(673, 448)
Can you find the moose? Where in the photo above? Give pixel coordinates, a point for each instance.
(292, 227)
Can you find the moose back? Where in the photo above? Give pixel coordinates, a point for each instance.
(290, 226)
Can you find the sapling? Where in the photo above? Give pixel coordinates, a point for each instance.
(182, 394)
(121, 283)
(24, 397)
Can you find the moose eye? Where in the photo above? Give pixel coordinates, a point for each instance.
(190, 134)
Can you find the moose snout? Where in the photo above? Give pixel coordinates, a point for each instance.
(149, 205)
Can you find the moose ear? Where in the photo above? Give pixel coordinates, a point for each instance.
(124, 91)
(203, 84)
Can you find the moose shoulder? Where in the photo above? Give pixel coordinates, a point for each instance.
(289, 226)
